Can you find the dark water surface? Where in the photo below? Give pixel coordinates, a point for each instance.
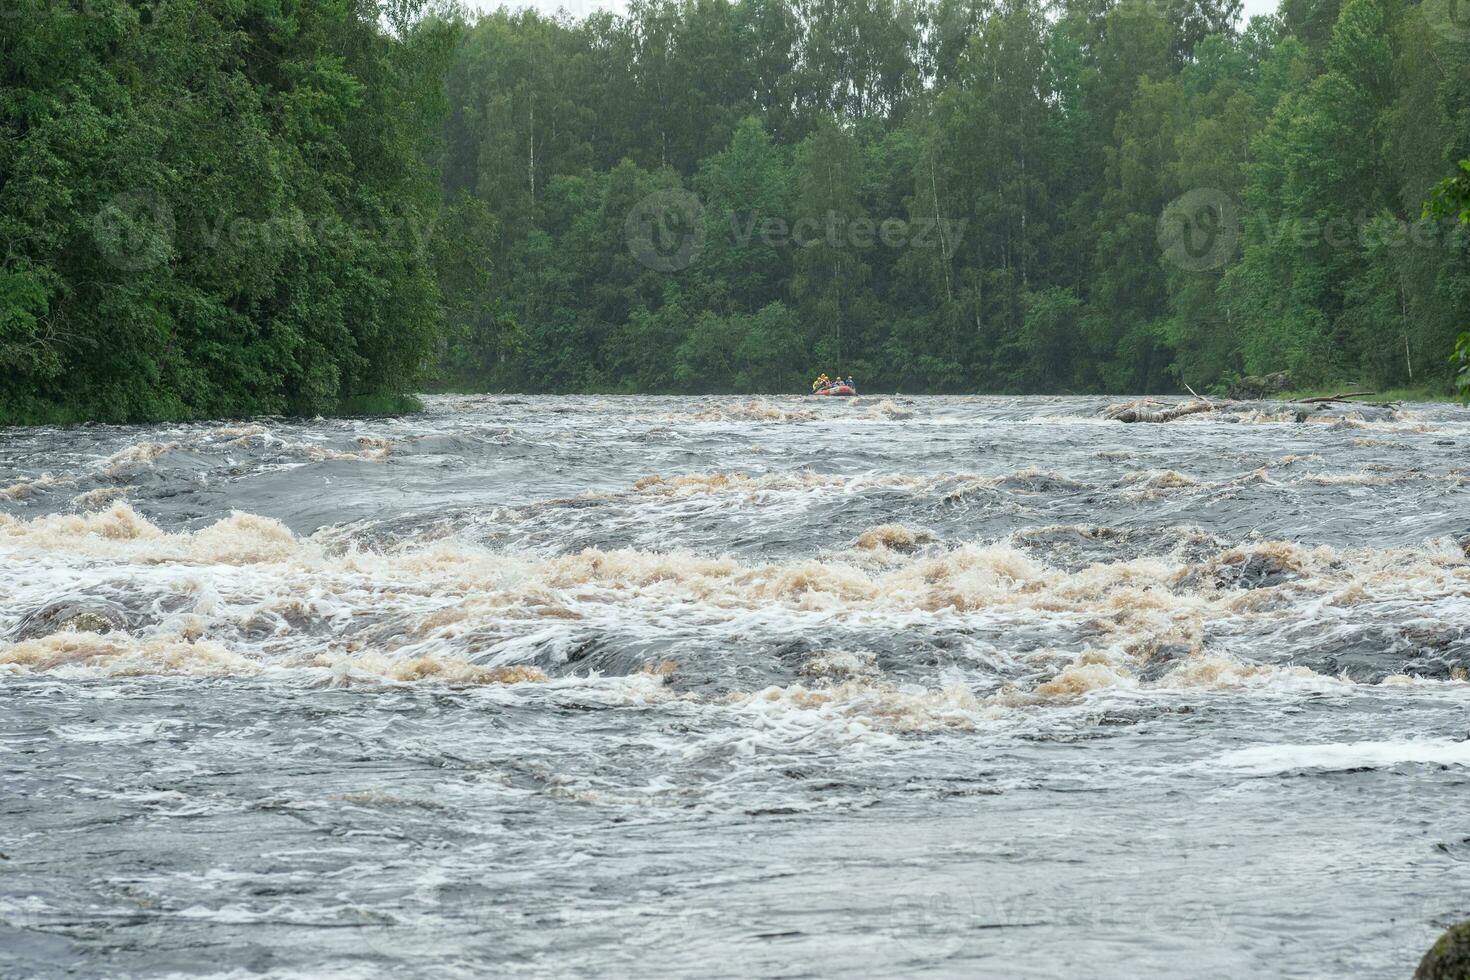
(778, 687)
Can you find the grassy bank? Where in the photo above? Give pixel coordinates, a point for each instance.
(1423, 393)
(380, 405)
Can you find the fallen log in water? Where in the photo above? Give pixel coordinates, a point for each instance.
(1344, 396)
(1147, 411)
(1323, 409)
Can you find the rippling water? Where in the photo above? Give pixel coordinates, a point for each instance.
(729, 686)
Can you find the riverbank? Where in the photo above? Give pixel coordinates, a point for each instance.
(362, 406)
(368, 406)
(1422, 393)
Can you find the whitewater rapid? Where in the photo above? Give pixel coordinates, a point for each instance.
(966, 686)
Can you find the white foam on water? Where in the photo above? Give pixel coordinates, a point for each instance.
(1340, 756)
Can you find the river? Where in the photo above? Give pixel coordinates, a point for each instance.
(736, 686)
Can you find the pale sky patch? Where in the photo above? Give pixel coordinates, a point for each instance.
(581, 8)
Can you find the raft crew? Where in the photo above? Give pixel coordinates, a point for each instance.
(824, 383)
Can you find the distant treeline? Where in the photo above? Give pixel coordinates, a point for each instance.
(1080, 196)
(221, 207)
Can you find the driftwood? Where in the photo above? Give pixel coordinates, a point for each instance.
(1343, 396)
(1146, 411)
(1149, 410)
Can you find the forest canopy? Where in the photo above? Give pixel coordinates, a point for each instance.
(216, 207)
(1081, 196)
(222, 207)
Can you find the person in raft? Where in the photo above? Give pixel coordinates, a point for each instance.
(820, 383)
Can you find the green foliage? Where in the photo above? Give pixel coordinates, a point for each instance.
(213, 208)
(1031, 155)
(1451, 197)
(1461, 360)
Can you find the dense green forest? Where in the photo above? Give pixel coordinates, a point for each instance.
(1084, 196)
(218, 207)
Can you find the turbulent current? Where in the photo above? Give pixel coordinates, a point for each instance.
(776, 687)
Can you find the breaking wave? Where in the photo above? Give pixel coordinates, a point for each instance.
(245, 596)
(512, 649)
